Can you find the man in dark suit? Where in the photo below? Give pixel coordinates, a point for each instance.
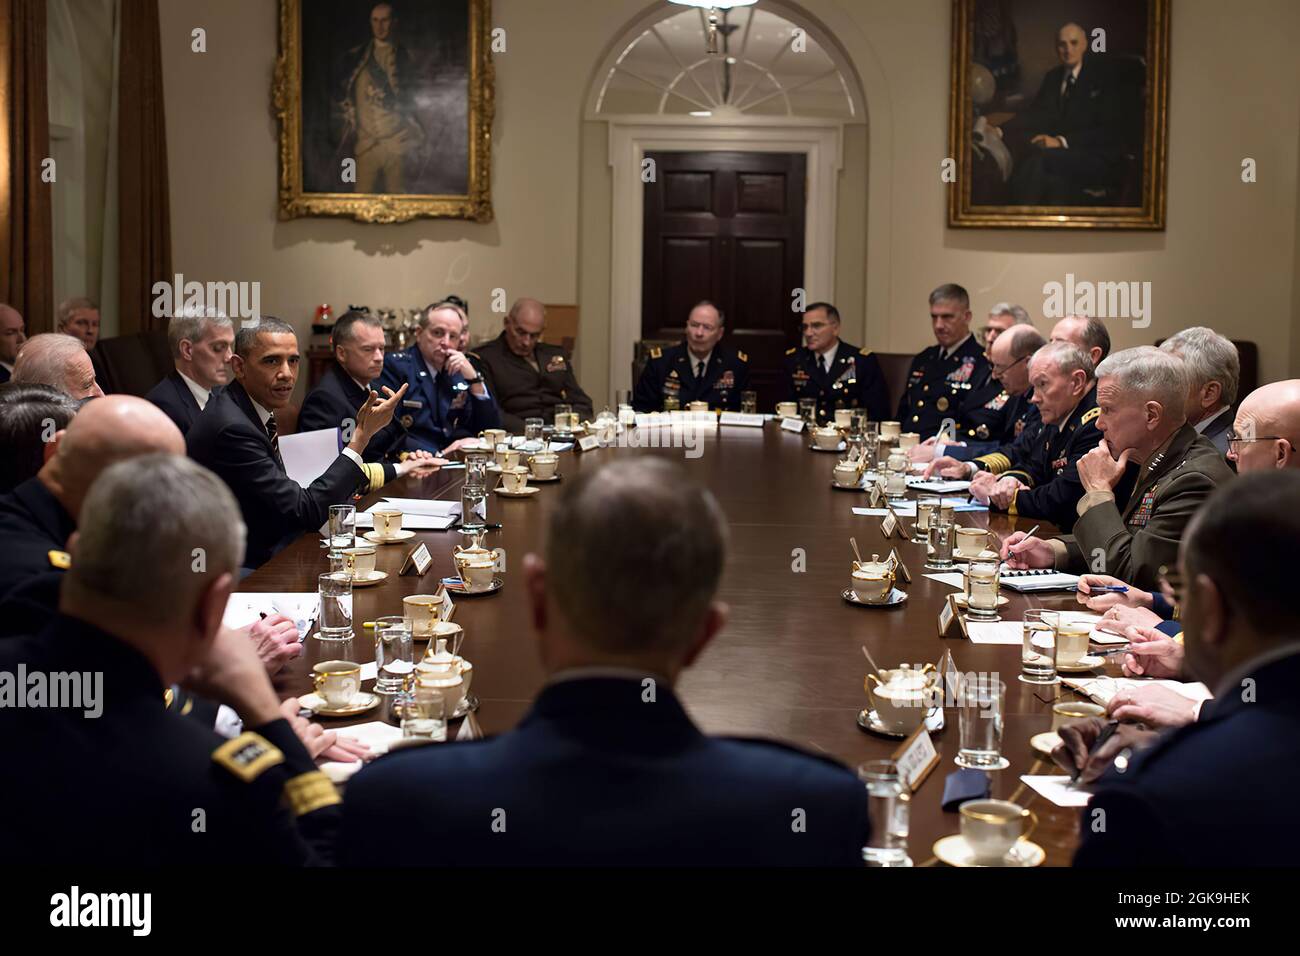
(237, 437)
(1219, 792)
(1072, 136)
(13, 333)
(527, 377)
(942, 378)
(1143, 481)
(200, 347)
(1215, 369)
(447, 400)
(39, 515)
(607, 768)
(700, 369)
(836, 374)
(137, 615)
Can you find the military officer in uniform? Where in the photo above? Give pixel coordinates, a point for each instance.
(1001, 410)
(135, 616)
(941, 378)
(700, 369)
(1141, 484)
(527, 378)
(836, 374)
(447, 400)
(1035, 474)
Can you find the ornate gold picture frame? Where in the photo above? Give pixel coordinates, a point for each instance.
(385, 109)
(1056, 123)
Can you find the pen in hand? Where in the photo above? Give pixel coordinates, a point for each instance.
(1105, 735)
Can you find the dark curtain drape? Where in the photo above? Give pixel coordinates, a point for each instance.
(26, 241)
(144, 231)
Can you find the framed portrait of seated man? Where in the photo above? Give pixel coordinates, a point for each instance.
(1059, 114)
(385, 109)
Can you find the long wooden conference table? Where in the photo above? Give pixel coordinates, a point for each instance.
(789, 663)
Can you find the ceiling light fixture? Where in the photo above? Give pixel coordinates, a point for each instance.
(713, 6)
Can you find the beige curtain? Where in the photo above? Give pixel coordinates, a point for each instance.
(144, 223)
(26, 241)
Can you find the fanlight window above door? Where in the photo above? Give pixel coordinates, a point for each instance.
(766, 66)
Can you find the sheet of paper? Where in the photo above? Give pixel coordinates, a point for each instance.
(996, 632)
(423, 506)
(938, 486)
(907, 509)
(1059, 790)
(245, 608)
(1103, 689)
(307, 454)
(376, 735)
(953, 580)
(412, 522)
(1027, 583)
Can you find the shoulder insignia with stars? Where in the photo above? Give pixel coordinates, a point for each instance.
(60, 559)
(248, 756)
(1089, 415)
(791, 351)
(656, 352)
(742, 356)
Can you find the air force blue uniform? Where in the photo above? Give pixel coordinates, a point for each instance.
(436, 409)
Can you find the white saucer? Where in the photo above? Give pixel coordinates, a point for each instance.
(1084, 664)
(403, 534)
(960, 600)
(955, 851)
(838, 448)
(363, 702)
(496, 585)
(858, 487)
(1045, 743)
(869, 721)
(896, 597)
(369, 578)
(1002, 764)
(523, 493)
(555, 477)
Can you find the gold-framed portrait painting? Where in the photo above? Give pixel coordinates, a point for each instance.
(1059, 114)
(385, 109)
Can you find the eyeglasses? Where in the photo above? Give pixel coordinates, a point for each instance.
(1235, 439)
(999, 369)
(814, 326)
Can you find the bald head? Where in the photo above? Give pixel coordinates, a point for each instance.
(105, 432)
(53, 358)
(1010, 354)
(1270, 416)
(1071, 44)
(525, 326)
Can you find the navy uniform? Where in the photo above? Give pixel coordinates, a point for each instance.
(437, 409)
(939, 388)
(334, 403)
(1047, 461)
(1194, 798)
(34, 531)
(144, 784)
(854, 380)
(993, 419)
(592, 749)
(670, 373)
(524, 390)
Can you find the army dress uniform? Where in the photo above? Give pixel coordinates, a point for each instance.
(939, 387)
(854, 380)
(1137, 527)
(143, 785)
(671, 373)
(436, 409)
(993, 419)
(524, 390)
(1047, 461)
(34, 530)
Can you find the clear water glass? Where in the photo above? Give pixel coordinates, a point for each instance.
(342, 528)
(1038, 650)
(981, 705)
(394, 655)
(424, 714)
(335, 590)
(888, 810)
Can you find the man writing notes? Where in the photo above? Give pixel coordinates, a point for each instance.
(446, 400)
(238, 438)
(200, 347)
(941, 378)
(700, 369)
(834, 373)
(528, 378)
(607, 768)
(1143, 481)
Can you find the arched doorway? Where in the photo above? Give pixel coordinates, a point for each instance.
(779, 87)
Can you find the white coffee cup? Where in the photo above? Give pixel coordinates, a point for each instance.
(992, 827)
(544, 464)
(787, 409)
(387, 522)
(360, 562)
(514, 479)
(337, 682)
(843, 417)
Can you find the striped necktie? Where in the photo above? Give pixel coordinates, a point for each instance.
(273, 433)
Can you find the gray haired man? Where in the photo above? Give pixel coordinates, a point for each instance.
(1142, 483)
(201, 345)
(1215, 369)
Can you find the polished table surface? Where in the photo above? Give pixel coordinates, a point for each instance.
(789, 663)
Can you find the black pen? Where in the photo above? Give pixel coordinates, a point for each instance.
(1108, 651)
(1105, 735)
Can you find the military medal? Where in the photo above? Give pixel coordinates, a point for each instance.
(407, 421)
(942, 404)
(982, 432)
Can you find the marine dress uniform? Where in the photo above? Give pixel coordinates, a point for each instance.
(852, 380)
(939, 387)
(438, 408)
(675, 373)
(525, 389)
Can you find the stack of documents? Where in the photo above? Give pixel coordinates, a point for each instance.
(1103, 689)
(418, 514)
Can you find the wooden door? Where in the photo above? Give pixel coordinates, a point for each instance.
(728, 227)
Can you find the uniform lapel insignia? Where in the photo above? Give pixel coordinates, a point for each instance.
(1142, 514)
(728, 380)
(555, 363)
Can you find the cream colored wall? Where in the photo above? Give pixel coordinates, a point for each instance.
(1228, 258)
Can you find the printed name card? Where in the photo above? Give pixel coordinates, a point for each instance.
(898, 523)
(739, 418)
(875, 497)
(889, 525)
(792, 424)
(916, 758)
(951, 623)
(418, 561)
(448, 608)
(588, 442)
(903, 572)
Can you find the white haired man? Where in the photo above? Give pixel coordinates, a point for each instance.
(1215, 369)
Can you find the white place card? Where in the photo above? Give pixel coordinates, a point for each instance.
(588, 443)
(889, 526)
(792, 424)
(448, 608)
(740, 418)
(418, 561)
(916, 758)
